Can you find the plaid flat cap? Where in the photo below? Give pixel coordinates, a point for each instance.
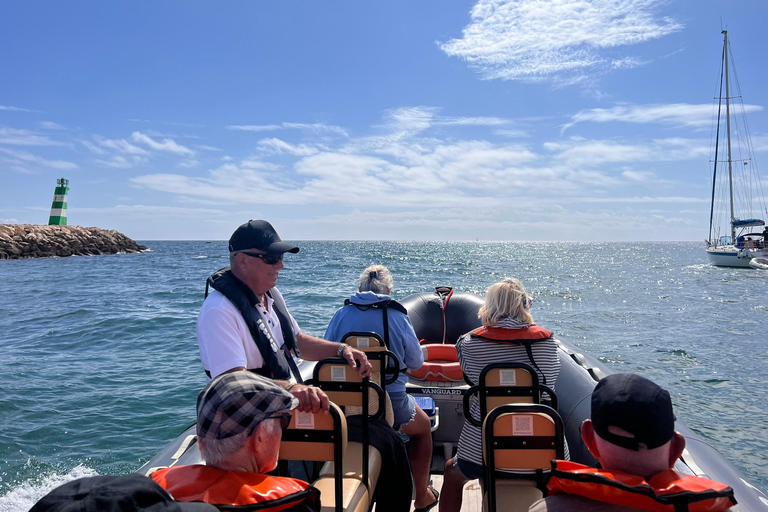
(235, 402)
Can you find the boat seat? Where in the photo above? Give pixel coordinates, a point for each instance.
(506, 383)
(320, 437)
(352, 473)
(519, 441)
(379, 357)
(517, 495)
(361, 466)
(441, 364)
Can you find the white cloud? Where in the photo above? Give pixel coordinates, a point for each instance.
(512, 133)
(558, 40)
(50, 125)
(676, 114)
(639, 176)
(581, 153)
(168, 145)
(312, 127)
(277, 146)
(187, 164)
(407, 178)
(29, 158)
(139, 210)
(118, 162)
(473, 121)
(18, 109)
(120, 146)
(208, 148)
(15, 137)
(9, 221)
(255, 127)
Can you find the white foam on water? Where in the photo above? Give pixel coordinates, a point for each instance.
(28, 493)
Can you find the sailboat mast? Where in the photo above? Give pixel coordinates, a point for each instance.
(728, 128)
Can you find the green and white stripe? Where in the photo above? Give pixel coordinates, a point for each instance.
(58, 215)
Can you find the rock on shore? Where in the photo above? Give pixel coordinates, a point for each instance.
(36, 241)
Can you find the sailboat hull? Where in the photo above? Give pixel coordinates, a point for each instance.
(729, 256)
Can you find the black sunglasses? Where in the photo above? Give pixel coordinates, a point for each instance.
(285, 420)
(269, 259)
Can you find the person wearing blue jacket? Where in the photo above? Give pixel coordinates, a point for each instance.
(365, 312)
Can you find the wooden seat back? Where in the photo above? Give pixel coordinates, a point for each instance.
(506, 383)
(318, 437)
(519, 441)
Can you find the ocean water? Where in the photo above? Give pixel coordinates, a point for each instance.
(100, 365)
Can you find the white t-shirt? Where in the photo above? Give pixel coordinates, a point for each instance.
(223, 336)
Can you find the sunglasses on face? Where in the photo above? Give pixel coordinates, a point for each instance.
(269, 259)
(285, 420)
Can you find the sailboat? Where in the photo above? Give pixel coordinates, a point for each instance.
(737, 235)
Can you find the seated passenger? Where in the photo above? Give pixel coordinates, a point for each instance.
(632, 434)
(360, 315)
(240, 420)
(508, 334)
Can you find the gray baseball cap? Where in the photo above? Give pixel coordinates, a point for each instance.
(236, 402)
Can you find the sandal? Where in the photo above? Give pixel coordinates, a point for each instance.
(431, 505)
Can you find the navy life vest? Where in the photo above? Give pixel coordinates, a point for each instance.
(276, 365)
(382, 305)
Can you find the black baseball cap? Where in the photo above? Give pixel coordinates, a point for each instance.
(259, 234)
(636, 405)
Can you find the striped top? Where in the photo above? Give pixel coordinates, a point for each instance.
(474, 355)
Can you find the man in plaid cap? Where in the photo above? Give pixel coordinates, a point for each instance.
(244, 323)
(240, 420)
(632, 434)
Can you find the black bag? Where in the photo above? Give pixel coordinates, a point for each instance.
(119, 493)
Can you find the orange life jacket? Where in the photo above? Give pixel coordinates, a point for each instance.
(531, 333)
(244, 490)
(525, 337)
(665, 491)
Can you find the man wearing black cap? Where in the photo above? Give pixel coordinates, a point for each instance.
(244, 323)
(632, 435)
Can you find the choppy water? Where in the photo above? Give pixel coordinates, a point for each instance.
(100, 366)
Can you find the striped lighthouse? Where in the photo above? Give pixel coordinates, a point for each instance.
(59, 206)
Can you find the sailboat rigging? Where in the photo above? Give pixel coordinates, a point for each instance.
(742, 247)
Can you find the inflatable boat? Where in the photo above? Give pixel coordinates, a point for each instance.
(439, 319)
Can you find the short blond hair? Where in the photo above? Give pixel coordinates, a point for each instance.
(506, 299)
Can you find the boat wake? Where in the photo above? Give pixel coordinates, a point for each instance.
(22, 497)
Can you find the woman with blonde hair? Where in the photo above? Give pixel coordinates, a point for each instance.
(508, 334)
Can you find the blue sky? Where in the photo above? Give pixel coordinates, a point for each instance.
(417, 120)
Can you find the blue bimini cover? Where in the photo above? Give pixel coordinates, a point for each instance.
(739, 223)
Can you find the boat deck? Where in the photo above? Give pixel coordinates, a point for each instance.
(472, 499)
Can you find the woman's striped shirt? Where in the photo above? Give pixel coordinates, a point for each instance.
(475, 354)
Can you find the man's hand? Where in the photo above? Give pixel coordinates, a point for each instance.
(357, 360)
(311, 399)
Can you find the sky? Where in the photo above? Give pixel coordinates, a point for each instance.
(526, 120)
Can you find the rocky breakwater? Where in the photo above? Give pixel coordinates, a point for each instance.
(33, 241)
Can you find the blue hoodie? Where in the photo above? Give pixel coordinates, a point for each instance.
(402, 338)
